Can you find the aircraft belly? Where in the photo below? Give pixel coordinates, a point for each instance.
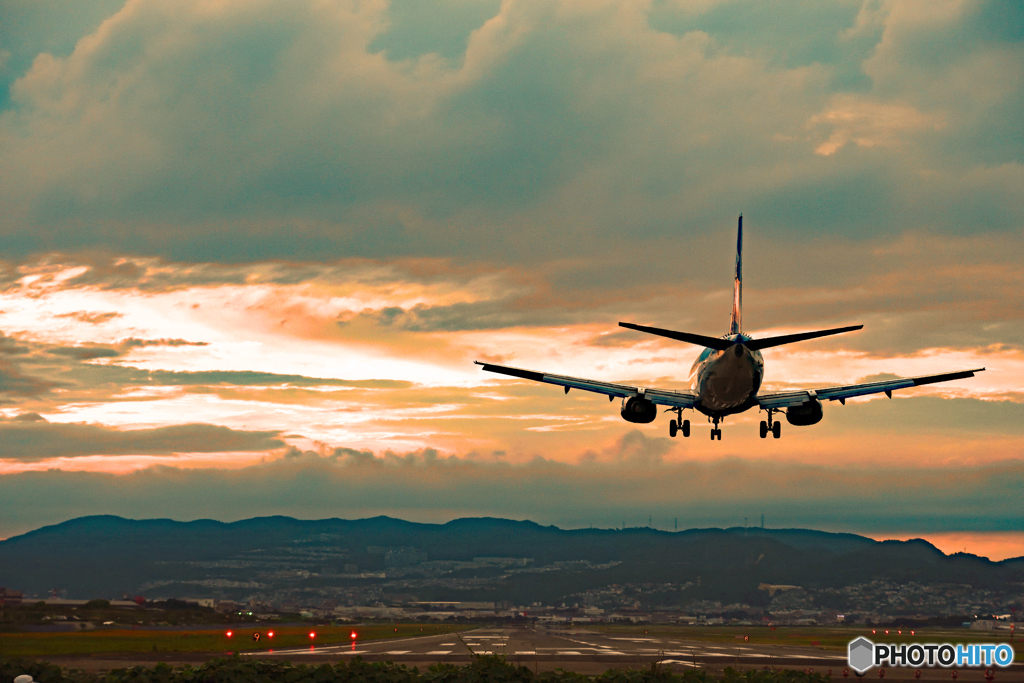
(728, 383)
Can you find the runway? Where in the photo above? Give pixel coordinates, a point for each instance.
(591, 653)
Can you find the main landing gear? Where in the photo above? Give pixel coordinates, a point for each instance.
(772, 426)
(716, 433)
(679, 425)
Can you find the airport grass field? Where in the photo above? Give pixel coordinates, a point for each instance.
(116, 641)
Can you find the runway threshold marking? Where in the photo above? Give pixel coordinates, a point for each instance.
(678, 661)
(636, 640)
(440, 652)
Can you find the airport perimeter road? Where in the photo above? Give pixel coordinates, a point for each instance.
(590, 653)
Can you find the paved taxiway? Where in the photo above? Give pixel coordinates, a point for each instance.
(589, 653)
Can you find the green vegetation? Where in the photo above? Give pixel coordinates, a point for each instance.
(169, 612)
(490, 669)
(116, 640)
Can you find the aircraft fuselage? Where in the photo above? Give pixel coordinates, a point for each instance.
(727, 376)
(726, 382)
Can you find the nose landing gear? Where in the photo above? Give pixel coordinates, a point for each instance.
(773, 426)
(679, 425)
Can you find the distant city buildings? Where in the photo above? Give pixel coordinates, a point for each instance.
(9, 597)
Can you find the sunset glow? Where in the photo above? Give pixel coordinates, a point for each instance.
(249, 274)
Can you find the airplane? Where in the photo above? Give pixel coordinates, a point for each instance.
(726, 378)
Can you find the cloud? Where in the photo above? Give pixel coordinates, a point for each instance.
(869, 124)
(93, 351)
(90, 317)
(304, 220)
(15, 383)
(253, 378)
(523, 132)
(429, 487)
(27, 439)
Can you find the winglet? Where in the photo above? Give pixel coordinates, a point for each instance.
(737, 287)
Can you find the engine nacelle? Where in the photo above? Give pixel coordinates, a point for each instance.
(638, 409)
(805, 414)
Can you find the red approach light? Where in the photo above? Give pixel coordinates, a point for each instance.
(230, 633)
(353, 634)
(911, 633)
(312, 634)
(886, 631)
(901, 632)
(873, 631)
(270, 634)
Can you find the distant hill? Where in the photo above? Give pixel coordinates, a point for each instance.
(109, 556)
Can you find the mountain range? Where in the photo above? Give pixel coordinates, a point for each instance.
(104, 556)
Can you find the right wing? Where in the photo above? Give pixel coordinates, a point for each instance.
(787, 399)
(661, 397)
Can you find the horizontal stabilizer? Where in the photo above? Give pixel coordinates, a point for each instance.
(698, 339)
(756, 344)
(721, 344)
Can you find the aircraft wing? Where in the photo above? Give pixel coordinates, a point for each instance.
(661, 397)
(786, 399)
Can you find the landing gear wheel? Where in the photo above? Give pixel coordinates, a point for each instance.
(716, 434)
(764, 429)
(672, 428)
(686, 428)
(719, 431)
(777, 430)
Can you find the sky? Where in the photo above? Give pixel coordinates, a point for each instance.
(250, 249)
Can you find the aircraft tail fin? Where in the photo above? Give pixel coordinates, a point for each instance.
(735, 326)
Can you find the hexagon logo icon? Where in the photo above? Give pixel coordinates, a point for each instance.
(861, 654)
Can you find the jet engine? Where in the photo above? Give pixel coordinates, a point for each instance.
(805, 414)
(638, 409)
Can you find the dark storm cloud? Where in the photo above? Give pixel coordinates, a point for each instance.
(29, 440)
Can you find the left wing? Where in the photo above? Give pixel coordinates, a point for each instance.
(661, 397)
(786, 399)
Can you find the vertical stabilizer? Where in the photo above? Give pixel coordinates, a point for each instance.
(737, 293)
